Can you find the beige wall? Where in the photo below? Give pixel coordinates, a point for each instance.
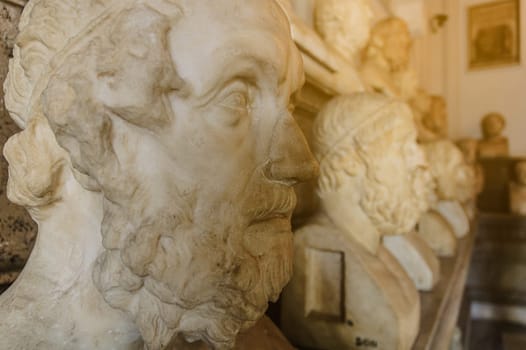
(429, 52)
(471, 94)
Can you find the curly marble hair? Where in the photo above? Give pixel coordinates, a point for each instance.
(381, 34)
(455, 179)
(345, 126)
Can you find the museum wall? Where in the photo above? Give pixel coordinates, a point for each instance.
(471, 94)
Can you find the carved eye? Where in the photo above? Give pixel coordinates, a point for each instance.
(237, 100)
(236, 106)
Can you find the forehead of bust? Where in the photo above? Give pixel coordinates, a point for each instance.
(214, 37)
(392, 123)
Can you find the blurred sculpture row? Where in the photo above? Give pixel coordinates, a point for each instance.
(395, 194)
(373, 182)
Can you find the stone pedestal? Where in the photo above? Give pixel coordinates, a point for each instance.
(342, 297)
(437, 234)
(417, 259)
(456, 217)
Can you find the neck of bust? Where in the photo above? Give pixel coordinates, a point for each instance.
(55, 290)
(345, 212)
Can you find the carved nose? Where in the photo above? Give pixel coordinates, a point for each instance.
(291, 160)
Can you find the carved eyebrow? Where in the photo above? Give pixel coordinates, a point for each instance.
(245, 67)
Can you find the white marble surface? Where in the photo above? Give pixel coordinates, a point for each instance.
(160, 172)
(324, 67)
(373, 182)
(345, 25)
(434, 229)
(455, 215)
(417, 259)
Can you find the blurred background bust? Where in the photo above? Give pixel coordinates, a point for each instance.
(430, 113)
(344, 24)
(386, 60)
(493, 144)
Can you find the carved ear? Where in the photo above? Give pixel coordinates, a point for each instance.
(36, 163)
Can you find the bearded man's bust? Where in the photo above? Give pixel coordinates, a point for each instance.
(158, 156)
(347, 288)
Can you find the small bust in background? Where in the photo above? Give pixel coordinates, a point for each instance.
(386, 59)
(344, 24)
(430, 112)
(436, 120)
(469, 148)
(493, 144)
(518, 190)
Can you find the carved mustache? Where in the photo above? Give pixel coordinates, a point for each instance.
(279, 204)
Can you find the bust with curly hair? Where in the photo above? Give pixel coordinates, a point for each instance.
(158, 157)
(386, 59)
(373, 183)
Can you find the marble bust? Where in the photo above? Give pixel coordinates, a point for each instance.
(430, 115)
(373, 182)
(386, 59)
(493, 144)
(469, 148)
(157, 156)
(518, 190)
(455, 184)
(344, 24)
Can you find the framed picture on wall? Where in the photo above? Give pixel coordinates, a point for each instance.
(494, 34)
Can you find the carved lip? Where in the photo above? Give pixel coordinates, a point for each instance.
(279, 208)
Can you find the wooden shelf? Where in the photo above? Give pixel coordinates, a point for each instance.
(440, 308)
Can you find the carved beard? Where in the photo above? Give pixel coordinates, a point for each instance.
(179, 280)
(396, 210)
(456, 181)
